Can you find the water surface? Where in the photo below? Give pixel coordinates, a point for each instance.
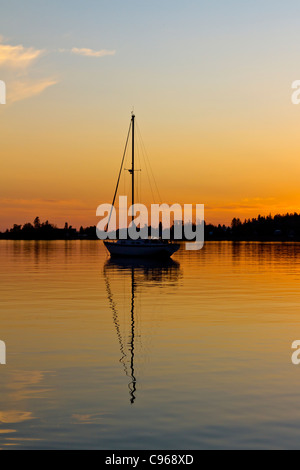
(192, 354)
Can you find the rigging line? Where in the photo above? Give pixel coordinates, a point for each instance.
(120, 173)
(139, 198)
(147, 171)
(137, 176)
(159, 195)
(153, 176)
(127, 183)
(124, 185)
(140, 188)
(152, 173)
(148, 175)
(124, 177)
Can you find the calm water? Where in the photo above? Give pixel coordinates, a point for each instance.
(195, 354)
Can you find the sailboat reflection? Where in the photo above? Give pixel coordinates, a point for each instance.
(140, 272)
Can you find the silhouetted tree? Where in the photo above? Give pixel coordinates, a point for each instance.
(37, 223)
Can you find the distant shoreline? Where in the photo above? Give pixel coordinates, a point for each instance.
(208, 238)
(280, 228)
(265, 240)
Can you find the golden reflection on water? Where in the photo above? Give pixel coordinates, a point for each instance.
(193, 353)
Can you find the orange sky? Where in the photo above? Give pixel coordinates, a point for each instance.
(213, 105)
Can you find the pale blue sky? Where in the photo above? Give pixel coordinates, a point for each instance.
(160, 44)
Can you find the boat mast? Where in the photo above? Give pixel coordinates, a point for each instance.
(132, 169)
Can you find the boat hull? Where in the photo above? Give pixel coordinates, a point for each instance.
(141, 251)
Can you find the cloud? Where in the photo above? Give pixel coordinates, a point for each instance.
(16, 63)
(91, 53)
(18, 56)
(245, 204)
(21, 90)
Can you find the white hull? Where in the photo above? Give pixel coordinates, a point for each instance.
(141, 249)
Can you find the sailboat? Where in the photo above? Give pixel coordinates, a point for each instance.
(149, 247)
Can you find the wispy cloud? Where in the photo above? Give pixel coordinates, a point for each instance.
(91, 53)
(255, 203)
(20, 90)
(21, 59)
(16, 62)
(18, 56)
(39, 203)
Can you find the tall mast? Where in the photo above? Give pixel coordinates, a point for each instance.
(132, 169)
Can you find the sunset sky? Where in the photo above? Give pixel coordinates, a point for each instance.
(210, 83)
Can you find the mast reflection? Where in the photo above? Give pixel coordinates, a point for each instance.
(140, 271)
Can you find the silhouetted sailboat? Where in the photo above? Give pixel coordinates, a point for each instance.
(141, 247)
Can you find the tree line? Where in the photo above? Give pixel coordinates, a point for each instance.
(263, 228)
